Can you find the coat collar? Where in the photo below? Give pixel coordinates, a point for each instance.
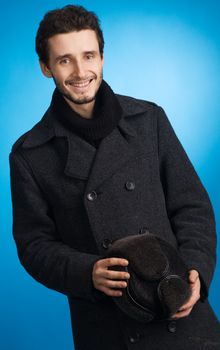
(48, 127)
(84, 161)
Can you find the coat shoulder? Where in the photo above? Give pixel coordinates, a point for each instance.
(132, 106)
(20, 141)
(37, 135)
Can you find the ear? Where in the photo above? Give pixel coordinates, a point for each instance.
(102, 59)
(45, 70)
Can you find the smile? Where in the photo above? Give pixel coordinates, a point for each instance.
(80, 84)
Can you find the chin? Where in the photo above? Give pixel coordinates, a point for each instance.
(82, 101)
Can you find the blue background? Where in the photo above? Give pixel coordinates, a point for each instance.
(164, 51)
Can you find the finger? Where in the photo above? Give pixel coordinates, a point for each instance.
(111, 292)
(193, 299)
(187, 306)
(182, 313)
(110, 283)
(114, 284)
(193, 276)
(115, 262)
(190, 303)
(115, 275)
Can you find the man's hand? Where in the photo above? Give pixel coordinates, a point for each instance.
(195, 285)
(108, 281)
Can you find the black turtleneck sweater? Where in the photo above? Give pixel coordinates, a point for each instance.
(106, 115)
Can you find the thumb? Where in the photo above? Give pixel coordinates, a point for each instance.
(193, 275)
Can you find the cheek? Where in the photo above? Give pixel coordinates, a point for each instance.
(98, 70)
(96, 67)
(61, 75)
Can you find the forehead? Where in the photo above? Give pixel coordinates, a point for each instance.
(74, 42)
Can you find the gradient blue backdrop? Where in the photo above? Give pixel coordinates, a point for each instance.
(164, 51)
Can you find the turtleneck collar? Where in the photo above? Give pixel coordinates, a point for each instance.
(106, 115)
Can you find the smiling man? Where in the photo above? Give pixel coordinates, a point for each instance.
(96, 168)
(75, 63)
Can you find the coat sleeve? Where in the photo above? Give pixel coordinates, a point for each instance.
(188, 206)
(41, 252)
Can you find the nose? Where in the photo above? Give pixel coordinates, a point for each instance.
(79, 69)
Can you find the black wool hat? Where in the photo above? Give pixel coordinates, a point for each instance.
(158, 284)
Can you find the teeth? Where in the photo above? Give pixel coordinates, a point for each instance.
(80, 84)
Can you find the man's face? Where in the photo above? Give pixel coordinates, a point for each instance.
(75, 64)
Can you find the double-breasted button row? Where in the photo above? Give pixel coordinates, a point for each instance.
(171, 326)
(143, 230)
(91, 196)
(134, 338)
(130, 185)
(106, 243)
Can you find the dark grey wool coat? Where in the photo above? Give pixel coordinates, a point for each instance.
(139, 179)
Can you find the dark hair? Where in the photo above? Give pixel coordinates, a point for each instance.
(65, 20)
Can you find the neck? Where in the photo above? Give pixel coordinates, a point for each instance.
(85, 110)
(95, 122)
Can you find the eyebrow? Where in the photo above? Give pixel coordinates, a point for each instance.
(66, 55)
(69, 55)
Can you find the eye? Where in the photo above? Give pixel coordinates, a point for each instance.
(64, 61)
(89, 56)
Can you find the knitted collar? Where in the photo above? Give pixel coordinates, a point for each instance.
(106, 115)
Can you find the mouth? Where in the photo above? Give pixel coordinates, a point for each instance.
(80, 84)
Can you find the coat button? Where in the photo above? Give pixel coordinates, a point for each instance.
(172, 326)
(92, 196)
(130, 186)
(143, 230)
(106, 243)
(134, 338)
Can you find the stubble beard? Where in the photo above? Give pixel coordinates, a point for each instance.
(82, 100)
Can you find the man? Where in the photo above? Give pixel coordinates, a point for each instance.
(96, 168)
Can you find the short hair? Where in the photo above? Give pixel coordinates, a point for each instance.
(65, 20)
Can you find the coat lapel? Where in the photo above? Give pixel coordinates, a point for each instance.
(80, 154)
(83, 160)
(115, 150)
(80, 158)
